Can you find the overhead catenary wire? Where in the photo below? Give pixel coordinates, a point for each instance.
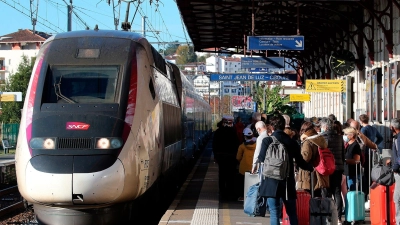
(38, 21)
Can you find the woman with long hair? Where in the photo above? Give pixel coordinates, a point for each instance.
(310, 141)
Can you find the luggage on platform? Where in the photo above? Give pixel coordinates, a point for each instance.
(355, 209)
(302, 208)
(382, 211)
(249, 179)
(322, 209)
(255, 205)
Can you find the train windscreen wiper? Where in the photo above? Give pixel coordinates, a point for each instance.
(57, 89)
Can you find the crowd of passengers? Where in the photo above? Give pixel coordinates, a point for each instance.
(239, 148)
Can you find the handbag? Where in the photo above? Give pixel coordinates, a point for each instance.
(382, 174)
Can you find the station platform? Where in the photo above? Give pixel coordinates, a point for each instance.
(197, 202)
(7, 159)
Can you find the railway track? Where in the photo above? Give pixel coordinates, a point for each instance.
(12, 208)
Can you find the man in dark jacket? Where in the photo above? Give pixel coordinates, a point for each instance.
(277, 190)
(225, 146)
(372, 134)
(395, 127)
(336, 145)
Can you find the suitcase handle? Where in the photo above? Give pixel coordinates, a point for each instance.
(358, 163)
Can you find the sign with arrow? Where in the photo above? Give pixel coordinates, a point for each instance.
(325, 85)
(275, 42)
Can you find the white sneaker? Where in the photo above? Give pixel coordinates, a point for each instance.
(367, 206)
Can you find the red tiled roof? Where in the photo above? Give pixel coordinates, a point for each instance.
(232, 59)
(21, 36)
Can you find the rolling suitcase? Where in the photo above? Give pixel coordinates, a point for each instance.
(382, 211)
(322, 210)
(355, 208)
(302, 208)
(249, 179)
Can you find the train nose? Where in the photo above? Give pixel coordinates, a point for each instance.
(64, 181)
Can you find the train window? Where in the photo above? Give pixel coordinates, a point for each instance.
(152, 90)
(81, 84)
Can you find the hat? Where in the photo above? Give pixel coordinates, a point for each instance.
(247, 132)
(227, 117)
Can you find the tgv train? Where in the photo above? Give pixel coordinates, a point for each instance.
(104, 116)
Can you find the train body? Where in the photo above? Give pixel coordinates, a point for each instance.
(104, 116)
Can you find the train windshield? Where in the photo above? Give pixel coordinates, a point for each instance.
(84, 84)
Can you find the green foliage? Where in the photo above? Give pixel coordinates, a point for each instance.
(171, 49)
(185, 55)
(202, 59)
(273, 100)
(18, 82)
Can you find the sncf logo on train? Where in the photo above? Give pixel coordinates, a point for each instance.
(77, 126)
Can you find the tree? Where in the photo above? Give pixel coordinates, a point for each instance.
(273, 100)
(202, 59)
(185, 55)
(18, 82)
(171, 49)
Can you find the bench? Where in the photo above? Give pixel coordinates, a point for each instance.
(6, 145)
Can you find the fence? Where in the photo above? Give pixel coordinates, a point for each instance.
(10, 132)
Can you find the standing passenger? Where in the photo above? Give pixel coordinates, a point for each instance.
(395, 127)
(225, 145)
(239, 127)
(281, 190)
(372, 134)
(245, 157)
(336, 145)
(310, 141)
(352, 157)
(254, 119)
(261, 129)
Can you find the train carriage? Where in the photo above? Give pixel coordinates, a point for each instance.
(104, 117)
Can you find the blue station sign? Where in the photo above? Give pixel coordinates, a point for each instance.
(262, 62)
(275, 42)
(253, 77)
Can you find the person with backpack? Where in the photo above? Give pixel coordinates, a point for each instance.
(282, 187)
(310, 142)
(336, 145)
(395, 128)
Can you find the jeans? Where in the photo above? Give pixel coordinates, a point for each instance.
(274, 205)
(351, 182)
(396, 197)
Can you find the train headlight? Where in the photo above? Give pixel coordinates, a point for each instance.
(108, 143)
(43, 143)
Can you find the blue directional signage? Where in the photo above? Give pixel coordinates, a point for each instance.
(253, 77)
(262, 62)
(275, 42)
(265, 70)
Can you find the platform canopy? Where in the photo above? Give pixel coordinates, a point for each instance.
(223, 26)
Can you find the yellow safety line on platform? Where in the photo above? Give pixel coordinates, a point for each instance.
(226, 219)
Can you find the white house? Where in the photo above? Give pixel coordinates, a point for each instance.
(13, 46)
